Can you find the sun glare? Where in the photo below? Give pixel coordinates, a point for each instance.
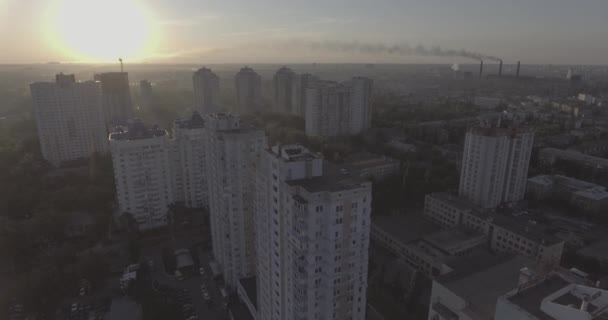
(102, 30)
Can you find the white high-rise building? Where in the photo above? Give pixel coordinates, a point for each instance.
(298, 92)
(326, 102)
(283, 82)
(312, 234)
(360, 111)
(248, 91)
(334, 109)
(495, 165)
(232, 153)
(206, 91)
(141, 159)
(189, 162)
(69, 118)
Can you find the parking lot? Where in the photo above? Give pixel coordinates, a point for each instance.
(188, 291)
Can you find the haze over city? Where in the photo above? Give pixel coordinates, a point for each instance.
(311, 160)
(160, 31)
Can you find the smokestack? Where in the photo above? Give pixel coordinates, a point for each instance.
(518, 65)
(481, 69)
(500, 69)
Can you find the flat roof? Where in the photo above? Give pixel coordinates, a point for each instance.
(406, 228)
(542, 179)
(597, 193)
(530, 299)
(524, 228)
(332, 180)
(136, 130)
(183, 258)
(453, 200)
(574, 156)
(447, 238)
(483, 277)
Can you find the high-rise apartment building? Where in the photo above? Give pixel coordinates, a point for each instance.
(360, 111)
(312, 234)
(189, 162)
(206, 91)
(116, 97)
(69, 118)
(248, 91)
(495, 165)
(334, 109)
(142, 173)
(145, 94)
(283, 81)
(232, 152)
(300, 83)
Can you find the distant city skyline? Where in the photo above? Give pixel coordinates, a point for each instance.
(540, 32)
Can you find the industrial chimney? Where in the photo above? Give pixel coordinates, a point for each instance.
(481, 69)
(518, 65)
(500, 69)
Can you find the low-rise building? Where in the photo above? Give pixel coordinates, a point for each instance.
(582, 194)
(471, 290)
(550, 155)
(506, 232)
(556, 296)
(369, 165)
(422, 244)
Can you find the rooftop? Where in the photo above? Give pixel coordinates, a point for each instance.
(574, 156)
(294, 152)
(193, 122)
(361, 161)
(445, 239)
(406, 228)
(453, 200)
(543, 179)
(525, 228)
(530, 299)
(575, 183)
(596, 193)
(136, 130)
(332, 180)
(499, 131)
(481, 278)
(183, 258)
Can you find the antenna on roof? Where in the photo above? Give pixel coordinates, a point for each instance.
(121, 69)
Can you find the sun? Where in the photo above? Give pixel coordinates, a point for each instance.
(101, 30)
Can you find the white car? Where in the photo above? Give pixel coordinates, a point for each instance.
(201, 270)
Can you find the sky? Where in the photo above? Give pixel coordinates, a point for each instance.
(287, 31)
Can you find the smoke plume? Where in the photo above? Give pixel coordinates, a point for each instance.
(380, 48)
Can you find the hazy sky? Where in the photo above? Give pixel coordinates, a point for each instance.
(249, 31)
